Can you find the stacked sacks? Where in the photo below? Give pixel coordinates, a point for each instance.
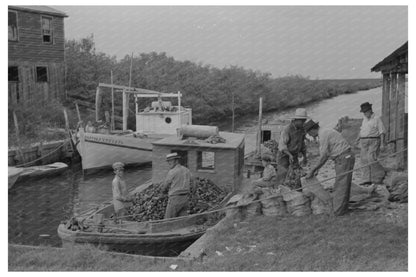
(274, 206)
(251, 209)
(297, 203)
(321, 200)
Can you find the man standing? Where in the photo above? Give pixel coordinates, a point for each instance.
(177, 181)
(291, 144)
(334, 146)
(120, 193)
(372, 139)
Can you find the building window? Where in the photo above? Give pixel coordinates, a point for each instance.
(41, 74)
(12, 26)
(206, 160)
(13, 74)
(47, 29)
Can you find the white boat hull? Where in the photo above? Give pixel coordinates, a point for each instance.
(102, 150)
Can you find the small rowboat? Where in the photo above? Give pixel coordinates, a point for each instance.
(24, 173)
(166, 237)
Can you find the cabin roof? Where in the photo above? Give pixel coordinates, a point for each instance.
(40, 9)
(394, 58)
(233, 141)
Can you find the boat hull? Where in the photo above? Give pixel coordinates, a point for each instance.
(102, 150)
(141, 244)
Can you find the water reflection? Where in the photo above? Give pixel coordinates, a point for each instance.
(37, 207)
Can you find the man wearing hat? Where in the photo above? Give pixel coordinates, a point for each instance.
(178, 181)
(371, 139)
(120, 193)
(291, 144)
(334, 146)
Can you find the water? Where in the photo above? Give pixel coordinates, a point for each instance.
(37, 207)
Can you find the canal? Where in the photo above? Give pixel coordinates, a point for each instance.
(37, 207)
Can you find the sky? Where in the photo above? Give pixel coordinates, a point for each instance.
(322, 42)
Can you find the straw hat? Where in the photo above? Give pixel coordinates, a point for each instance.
(300, 114)
(172, 156)
(118, 165)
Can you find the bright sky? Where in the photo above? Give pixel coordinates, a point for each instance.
(317, 41)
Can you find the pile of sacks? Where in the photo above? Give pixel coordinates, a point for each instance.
(313, 199)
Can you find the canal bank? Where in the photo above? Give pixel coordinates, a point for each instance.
(37, 207)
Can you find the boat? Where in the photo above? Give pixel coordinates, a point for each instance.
(38, 171)
(167, 237)
(102, 146)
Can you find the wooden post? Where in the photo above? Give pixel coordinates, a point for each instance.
(125, 110)
(66, 120)
(393, 109)
(385, 103)
(232, 108)
(97, 104)
(78, 113)
(112, 103)
(19, 147)
(179, 110)
(400, 125)
(259, 127)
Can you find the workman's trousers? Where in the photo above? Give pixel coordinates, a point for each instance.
(341, 193)
(177, 206)
(370, 149)
(286, 172)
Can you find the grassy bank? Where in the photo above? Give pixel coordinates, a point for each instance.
(359, 241)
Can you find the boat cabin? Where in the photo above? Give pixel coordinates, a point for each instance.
(161, 117)
(220, 162)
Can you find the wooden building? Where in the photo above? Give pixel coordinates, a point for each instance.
(394, 112)
(36, 53)
(222, 163)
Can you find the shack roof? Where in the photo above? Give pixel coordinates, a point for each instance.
(232, 141)
(40, 9)
(397, 58)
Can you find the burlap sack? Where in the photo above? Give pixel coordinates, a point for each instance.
(297, 203)
(274, 206)
(321, 200)
(250, 209)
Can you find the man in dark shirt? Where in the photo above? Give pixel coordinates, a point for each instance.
(291, 144)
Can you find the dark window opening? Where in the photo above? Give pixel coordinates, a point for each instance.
(12, 26)
(205, 160)
(168, 120)
(41, 74)
(13, 74)
(266, 135)
(47, 29)
(184, 157)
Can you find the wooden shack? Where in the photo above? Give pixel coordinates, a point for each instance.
(222, 163)
(36, 53)
(394, 112)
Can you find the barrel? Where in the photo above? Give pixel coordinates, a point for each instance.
(198, 131)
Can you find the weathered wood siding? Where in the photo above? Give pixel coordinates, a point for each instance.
(29, 51)
(30, 46)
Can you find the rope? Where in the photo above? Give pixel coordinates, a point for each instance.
(38, 159)
(266, 198)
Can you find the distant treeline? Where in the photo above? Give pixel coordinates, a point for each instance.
(206, 89)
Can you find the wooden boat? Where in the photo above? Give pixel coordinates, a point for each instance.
(24, 173)
(101, 147)
(166, 237)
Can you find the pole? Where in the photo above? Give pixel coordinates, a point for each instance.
(112, 103)
(259, 127)
(131, 67)
(232, 107)
(66, 120)
(78, 113)
(16, 126)
(179, 110)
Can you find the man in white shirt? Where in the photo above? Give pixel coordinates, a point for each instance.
(372, 139)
